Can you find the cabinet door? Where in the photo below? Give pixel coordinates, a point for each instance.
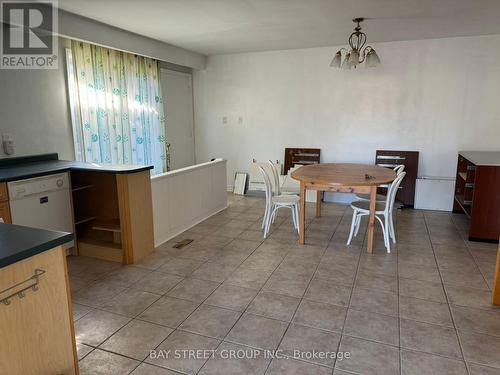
(5, 212)
(3, 192)
(37, 335)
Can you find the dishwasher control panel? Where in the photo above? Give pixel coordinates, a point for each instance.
(38, 185)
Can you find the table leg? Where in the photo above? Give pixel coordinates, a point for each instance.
(318, 203)
(371, 223)
(302, 213)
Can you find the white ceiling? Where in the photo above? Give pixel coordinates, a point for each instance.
(230, 26)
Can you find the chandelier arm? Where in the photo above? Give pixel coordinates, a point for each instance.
(365, 52)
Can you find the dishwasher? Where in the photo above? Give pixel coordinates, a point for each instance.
(42, 202)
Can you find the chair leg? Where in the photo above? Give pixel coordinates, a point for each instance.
(268, 220)
(294, 217)
(268, 226)
(264, 218)
(393, 233)
(353, 226)
(358, 224)
(387, 235)
(296, 207)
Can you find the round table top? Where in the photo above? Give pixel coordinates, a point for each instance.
(344, 174)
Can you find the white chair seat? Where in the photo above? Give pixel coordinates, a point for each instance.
(366, 197)
(365, 206)
(285, 199)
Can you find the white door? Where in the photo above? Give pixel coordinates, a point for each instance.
(177, 91)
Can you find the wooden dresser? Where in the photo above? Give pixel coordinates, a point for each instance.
(477, 193)
(391, 159)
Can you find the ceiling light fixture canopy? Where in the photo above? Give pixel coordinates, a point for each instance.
(357, 54)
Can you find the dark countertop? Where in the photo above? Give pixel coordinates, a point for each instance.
(18, 242)
(12, 169)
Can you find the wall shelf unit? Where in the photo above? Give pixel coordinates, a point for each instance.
(477, 193)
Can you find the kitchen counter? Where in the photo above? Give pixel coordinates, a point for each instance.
(18, 168)
(18, 242)
(482, 158)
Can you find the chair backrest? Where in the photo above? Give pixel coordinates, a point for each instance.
(399, 169)
(393, 189)
(267, 183)
(276, 177)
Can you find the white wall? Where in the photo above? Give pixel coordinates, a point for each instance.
(435, 96)
(34, 109)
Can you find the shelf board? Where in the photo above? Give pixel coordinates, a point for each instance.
(466, 206)
(108, 225)
(84, 219)
(463, 175)
(82, 187)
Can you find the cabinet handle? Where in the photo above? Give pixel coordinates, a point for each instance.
(19, 289)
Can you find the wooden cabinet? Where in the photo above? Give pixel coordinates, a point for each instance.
(477, 193)
(301, 156)
(4, 203)
(391, 159)
(113, 215)
(37, 334)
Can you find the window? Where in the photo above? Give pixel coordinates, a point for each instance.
(116, 107)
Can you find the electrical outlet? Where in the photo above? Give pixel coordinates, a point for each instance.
(8, 144)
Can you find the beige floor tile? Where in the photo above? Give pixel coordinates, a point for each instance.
(257, 332)
(425, 311)
(430, 338)
(130, 302)
(367, 357)
(231, 297)
(193, 289)
(320, 315)
(415, 363)
(210, 321)
(97, 326)
(157, 282)
(222, 363)
(99, 362)
(181, 342)
(371, 326)
(376, 301)
(306, 340)
(136, 339)
(168, 311)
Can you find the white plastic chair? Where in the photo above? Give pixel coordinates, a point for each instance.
(385, 209)
(274, 203)
(381, 198)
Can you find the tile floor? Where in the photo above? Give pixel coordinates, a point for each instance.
(423, 309)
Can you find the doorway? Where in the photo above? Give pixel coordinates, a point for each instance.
(177, 88)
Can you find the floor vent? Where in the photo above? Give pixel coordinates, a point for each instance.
(181, 244)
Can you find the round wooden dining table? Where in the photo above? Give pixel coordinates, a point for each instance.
(343, 178)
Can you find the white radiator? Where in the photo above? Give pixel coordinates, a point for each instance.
(435, 193)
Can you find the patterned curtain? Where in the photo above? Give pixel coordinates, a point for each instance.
(117, 107)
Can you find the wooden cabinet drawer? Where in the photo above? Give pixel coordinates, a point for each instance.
(5, 212)
(3, 192)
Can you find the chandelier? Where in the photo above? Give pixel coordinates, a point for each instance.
(357, 54)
